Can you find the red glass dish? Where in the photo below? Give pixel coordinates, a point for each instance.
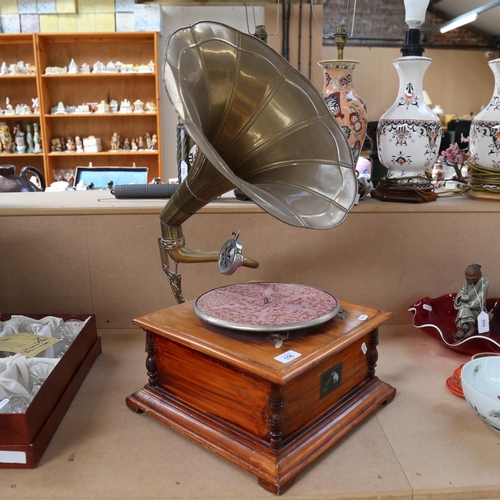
(436, 317)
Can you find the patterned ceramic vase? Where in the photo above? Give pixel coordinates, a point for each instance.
(484, 138)
(343, 102)
(409, 132)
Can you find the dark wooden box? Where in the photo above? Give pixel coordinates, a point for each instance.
(24, 437)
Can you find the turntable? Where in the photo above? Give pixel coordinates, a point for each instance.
(266, 375)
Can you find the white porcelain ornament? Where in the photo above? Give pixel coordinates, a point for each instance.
(409, 132)
(484, 138)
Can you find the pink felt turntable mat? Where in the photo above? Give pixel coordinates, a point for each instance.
(266, 303)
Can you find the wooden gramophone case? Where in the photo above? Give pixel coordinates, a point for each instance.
(230, 393)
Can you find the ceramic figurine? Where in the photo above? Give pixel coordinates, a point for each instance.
(126, 144)
(79, 144)
(29, 138)
(9, 110)
(150, 107)
(125, 106)
(111, 68)
(154, 142)
(61, 109)
(113, 105)
(140, 142)
(83, 108)
(115, 142)
(470, 302)
(134, 145)
(6, 139)
(73, 67)
(3, 69)
(70, 145)
(37, 146)
(103, 107)
(85, 69)
(138, 106)
(34, 102)
(19, 138)
(148, 140)
(99, 67)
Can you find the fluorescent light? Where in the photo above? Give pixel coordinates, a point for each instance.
(459, 21)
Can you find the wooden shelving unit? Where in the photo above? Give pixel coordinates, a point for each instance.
(20, 89)
(57, 50)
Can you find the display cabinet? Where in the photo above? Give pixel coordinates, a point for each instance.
(64, 106)
(19, 93)
(102, 55)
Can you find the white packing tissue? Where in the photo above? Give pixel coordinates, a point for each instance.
(17, 372)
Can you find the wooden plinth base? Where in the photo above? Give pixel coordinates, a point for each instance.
(233, 396)
(401, 195)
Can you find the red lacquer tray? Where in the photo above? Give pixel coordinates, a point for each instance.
(436, 317)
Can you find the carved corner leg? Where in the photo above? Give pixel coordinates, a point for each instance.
(276, 403)
(151, 360)
(373, 353)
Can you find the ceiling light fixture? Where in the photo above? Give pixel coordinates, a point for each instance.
(459, 21)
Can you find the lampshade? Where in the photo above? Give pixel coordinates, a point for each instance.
(415, 12)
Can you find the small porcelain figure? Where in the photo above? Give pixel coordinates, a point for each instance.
(83, 108)
(70, 145)
(150, 107)
(85, 69)
(125, 106)
(148, 140)
(79, 144)
(103, 107)
(37, 145)
(113, 106)
(73, 67)
(126, 144)
(99, 67)
(111, 67)
(115, 142)
(134, 145)
(19, 139)
(6, 139)
(61, 109)
(9, 110)
(138, 106)
(140, 142)
(154, 142)
(3, 69)
(29, 138)
(470, 302)
(34, 103)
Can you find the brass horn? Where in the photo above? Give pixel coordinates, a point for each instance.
(260, 126)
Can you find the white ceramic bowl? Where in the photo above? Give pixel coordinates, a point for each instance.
(481, 388)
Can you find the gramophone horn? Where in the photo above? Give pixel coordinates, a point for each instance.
(260, 126)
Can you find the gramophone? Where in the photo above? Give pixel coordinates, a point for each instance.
(271, 408)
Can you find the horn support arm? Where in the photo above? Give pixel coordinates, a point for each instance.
(172, 244)
(175, 246)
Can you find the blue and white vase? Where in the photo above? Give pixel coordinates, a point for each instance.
(409, 132)
(484, 138)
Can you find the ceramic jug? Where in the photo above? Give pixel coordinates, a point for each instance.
(344, 104)
(11, 183)
(484, 138)
(409, 132)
